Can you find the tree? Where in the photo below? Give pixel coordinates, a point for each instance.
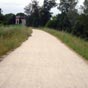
(52, 23)
(81, 27)
(32, 10)
(39, 16)
(63, 6)
(1, 17)
(86, 7)
(9, 19)
(63, 22)
(45, 14)
(20, 14)
(68, 10)
(29, 9)
(0, 10)
(67, 5)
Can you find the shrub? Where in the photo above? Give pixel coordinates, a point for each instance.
(51, 24)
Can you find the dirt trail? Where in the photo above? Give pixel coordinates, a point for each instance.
(43, 62)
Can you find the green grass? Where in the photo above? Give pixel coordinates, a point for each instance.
(12, 36)
(75, 43)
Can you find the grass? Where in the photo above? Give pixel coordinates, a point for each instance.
(75, 43)
(12, 36)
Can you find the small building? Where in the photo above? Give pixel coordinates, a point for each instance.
(21, 20)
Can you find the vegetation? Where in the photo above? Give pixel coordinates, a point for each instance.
(9, 19)
(68, 20)
(86, 7)
(12, 37)
(39, 15)
(75, 43)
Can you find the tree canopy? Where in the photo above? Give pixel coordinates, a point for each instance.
(39, 15)
(68, 20)
(86, 7)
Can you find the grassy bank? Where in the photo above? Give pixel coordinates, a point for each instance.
(12, 37)
(77, 44)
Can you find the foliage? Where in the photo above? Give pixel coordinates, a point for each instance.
(9, 19)
(60, 22)
(20, 14)
(28, 9)
(69, 20)
(86, 7)
(81, 27)
(45, 14)
(66, 6)
(63, 22)
(39, 16)
(52, 23)
(32, 10)
(2, 19)
(0, 11)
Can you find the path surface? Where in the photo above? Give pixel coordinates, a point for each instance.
(43, 62)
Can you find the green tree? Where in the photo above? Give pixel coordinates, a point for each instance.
(0, 10)
(37, 15)
(67, 5)
(20, 14)
(69, 14)
(9, 19)
(86, 7)
(2, 19)
(63, 22)
(63, 6)
(45, 14)
(32, 10)
(81, 27)
(52, 23)
(28, 9)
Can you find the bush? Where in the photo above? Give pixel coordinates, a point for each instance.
(60, 22)
(51, 24)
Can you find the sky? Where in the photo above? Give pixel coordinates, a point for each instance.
(16, 6)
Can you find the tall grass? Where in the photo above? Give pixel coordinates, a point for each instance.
(12, 37)
(77, 44)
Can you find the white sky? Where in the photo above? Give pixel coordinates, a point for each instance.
(15, 6)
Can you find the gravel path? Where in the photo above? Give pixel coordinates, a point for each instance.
(43, 62)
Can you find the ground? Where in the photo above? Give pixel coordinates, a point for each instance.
(43, 62)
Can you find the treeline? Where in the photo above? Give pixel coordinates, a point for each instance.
(69, 20)
(39, 15)
(9, 19)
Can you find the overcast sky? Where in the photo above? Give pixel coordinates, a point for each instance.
(15, 6)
